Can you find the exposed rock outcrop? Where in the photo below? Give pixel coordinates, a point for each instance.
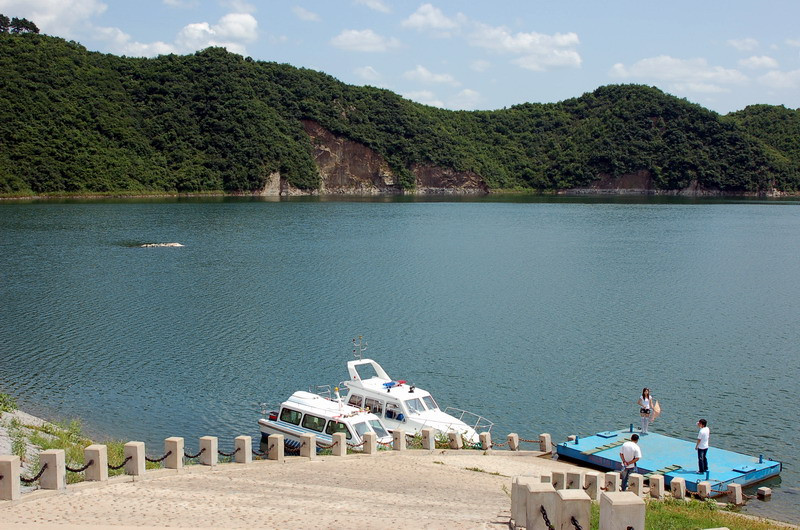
(352, 168)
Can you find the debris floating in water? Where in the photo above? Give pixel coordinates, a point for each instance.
(146, 245)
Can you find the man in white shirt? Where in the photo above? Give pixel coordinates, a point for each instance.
(702, 446)
(630, 453)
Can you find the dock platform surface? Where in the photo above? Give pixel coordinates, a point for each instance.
(673, 458)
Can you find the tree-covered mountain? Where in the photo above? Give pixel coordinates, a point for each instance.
(79, 121)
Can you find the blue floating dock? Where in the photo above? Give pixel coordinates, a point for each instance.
(673, 458)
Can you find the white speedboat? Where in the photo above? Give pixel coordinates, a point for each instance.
(309, 413)
(402, 405)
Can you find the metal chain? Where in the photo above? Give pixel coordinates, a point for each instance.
(187, 455)
(575, 523)
(499, 444)
(34, 479)
(356, 445)
(229, 454)
(547, 522)
(529, 441)
(156, 460)
(80, 469)
(121, 465)
(323, 446)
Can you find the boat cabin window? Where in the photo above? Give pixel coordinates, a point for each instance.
(291, 416)
(430, 403)
(315, 423)
(393, 411)
(337, 426)
(414, 406)
(361, 428)
(374, 406)
(377, 426)
(355, 401)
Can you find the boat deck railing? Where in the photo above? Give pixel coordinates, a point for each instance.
(478, 423)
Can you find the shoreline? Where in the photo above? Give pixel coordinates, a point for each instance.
(409, 489)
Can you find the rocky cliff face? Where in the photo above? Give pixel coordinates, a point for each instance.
(351, 168)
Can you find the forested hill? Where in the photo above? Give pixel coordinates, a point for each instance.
(79, 121)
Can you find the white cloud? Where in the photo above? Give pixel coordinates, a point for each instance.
(744, 45)
(781, 80)
(375, 5)
(423, 75)
(237, 26)
(122, 43)
(239, 6)
(428, 17)
(305, 14)
(756, 62)
(537, 51)
(467, 99)
(65, 18)
(694, 75)
(793, 42)
(368, 73)
(426, 97)
(231, 32)
(363, 41)
(480, 65)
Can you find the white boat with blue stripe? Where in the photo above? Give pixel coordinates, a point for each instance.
(309, 413)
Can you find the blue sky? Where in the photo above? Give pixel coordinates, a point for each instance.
(724, 55)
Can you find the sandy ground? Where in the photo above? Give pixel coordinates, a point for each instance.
(410, 489)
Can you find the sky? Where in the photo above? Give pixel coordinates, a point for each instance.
(468, 55)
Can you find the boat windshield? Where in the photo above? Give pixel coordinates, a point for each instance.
(361, 428)
(430, 403)
(380, 432)
(414, 406)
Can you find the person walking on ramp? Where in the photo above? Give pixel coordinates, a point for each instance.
(630, 453)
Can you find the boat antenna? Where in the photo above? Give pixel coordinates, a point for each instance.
(359, 347)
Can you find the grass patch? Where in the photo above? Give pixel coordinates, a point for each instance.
(7, 403)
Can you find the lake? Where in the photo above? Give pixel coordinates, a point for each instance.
(544, 314)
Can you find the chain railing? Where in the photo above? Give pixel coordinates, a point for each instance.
(221, 453)
(187, 455)
(80, 469)
(157, 460)
(115, 468)
(547, 522)
(34, 479)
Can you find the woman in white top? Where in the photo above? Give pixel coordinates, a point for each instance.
(646, 403)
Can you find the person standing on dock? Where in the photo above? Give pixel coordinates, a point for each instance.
(702, 446)
(630, 453)
(646, 403)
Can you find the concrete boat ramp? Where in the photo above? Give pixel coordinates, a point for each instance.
(672, 458)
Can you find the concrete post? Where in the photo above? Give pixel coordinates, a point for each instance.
(613, 481)
(275, 448)
(735, 494)
(657, 486)
(244, 444)
(636, 484)
(9, 484)
(764, 493)
(339, 444)
(519, 498)
(574, 480)
(209, 457)
(560, 480)
(98, 455)
(428, 439)
(455, 440)
(370, 443)
(677, 487)
(540, 496)
(546, 477)
(621, 509)
(571, 438)
(136, 465)
(486, 441)
(545, 443)
(704, 489)
(308, 446)
(398, 440)
(513, 442)
(174, 446)
(55, 476)
(592, 482)
(572, 503)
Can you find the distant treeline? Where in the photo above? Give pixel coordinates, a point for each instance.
(79, 121)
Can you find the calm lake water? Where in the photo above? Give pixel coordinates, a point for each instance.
(542, 314)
